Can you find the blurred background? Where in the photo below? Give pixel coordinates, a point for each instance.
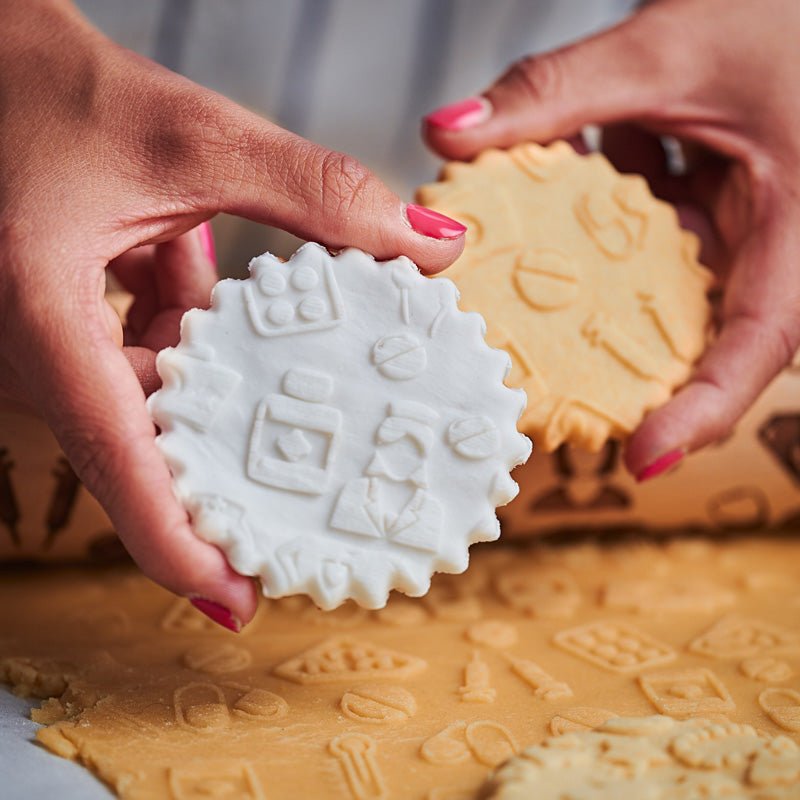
(353, 75)
(357, 75)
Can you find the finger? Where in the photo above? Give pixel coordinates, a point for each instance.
(101, 423)
(759, 336)
(166, 280)
(331, 198)
(142, 361)
(631, 149)
(233, 161)
(624, 73)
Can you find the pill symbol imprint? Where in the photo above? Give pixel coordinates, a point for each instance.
(356, 754)
(474, 437)
(400, 357)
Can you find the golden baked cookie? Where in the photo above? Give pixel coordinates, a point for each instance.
(584, 278)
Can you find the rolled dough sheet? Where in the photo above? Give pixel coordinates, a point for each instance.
(418, 700)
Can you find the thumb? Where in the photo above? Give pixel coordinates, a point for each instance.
(760, 334)
(239, 163)
(626, 72)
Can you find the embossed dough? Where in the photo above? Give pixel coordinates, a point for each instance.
(634, 758)
(338, 426)
(422, 699)
(586, 280)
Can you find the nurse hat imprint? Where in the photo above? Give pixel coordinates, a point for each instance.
(338, 427)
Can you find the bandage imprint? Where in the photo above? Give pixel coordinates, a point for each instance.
(331, 439)
(615, 646)
(587, 269)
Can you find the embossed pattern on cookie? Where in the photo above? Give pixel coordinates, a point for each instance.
(742, 637)
(356, 755)
(675, 595)
(111, 698)
(218, 779)
(378, 704)
(687, 692)
(338, 426)
(615, 646)
(344, 659)
(544, 685)
(586, 268)
(477, 687)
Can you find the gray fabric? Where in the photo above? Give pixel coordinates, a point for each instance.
(173, 28)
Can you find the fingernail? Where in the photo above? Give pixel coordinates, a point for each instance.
(432, 223)
(661, 465)
(216, 612)
(207, 241)
(463, 114)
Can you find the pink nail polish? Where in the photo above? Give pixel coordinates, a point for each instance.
(207, 241)
(660, 465)
(433, 224)
(216, 612)
(463, 114)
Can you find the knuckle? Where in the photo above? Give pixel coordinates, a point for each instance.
(786, 339)
(343, 182)
(89, 459)
(539, 78)
(182, 137)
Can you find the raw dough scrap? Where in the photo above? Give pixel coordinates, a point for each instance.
(585, 278)
(338, 427)
(656, 756)
(416, 701)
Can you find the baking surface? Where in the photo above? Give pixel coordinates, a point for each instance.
(28, 770)
(419, 700)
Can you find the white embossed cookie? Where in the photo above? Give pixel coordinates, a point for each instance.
(653, 757)
(338, 426)
(585, 278)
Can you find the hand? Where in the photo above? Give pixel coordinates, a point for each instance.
(722, 76)
(107, 159)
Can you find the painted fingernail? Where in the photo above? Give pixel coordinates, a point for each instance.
(432, 223)
(207, 241)
(461, 115)
(661, 465)
(216, 612)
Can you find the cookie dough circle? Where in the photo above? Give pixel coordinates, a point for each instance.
(338, 426)
(585, 278)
